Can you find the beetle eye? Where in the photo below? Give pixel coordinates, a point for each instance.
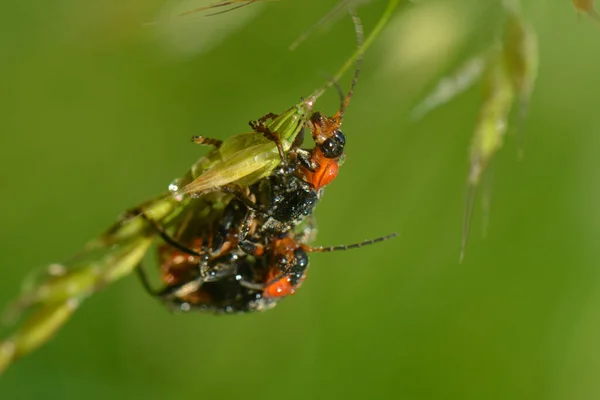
(334, 146)
(301, 259)
(339, 136)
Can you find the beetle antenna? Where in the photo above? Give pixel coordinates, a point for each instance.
(325, 249)
(359, 42)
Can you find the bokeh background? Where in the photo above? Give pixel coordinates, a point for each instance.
(99, 99)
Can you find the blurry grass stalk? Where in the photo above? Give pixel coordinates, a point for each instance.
(53, 296)
(507, 71)
(183, 28)
(586, 7)
(507, 80)
(333, 13)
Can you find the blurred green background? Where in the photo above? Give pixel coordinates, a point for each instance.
(97, 110)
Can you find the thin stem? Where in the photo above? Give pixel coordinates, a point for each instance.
(392, 4)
